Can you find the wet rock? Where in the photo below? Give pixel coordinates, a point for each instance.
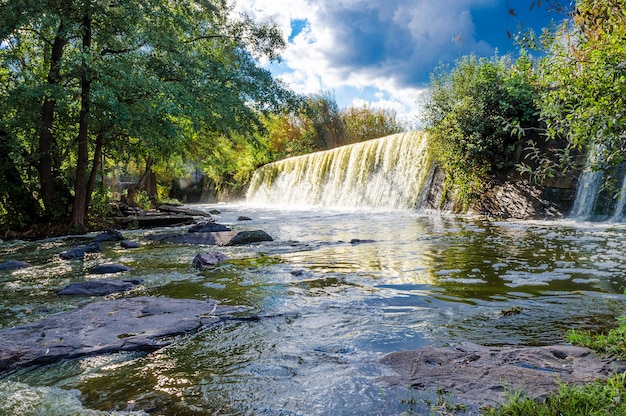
(482, 375)
(78, 252)
(129, 244)
(209, 259)
(244, 218)
(109, 235)
(14, 264)
(176, 209)
(155, 219)
(359, 241)
(110, 326)
(207, 227)
(109, 268)
(97, 287)
(249, 237)
(221, 238)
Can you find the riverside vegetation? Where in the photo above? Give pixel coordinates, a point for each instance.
(90, 88)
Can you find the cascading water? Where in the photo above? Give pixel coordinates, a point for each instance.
(389, 172)
(593, 201)
(619, 214)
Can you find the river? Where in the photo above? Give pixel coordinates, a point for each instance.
(338, 289)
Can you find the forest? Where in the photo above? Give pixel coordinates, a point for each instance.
(151, 87)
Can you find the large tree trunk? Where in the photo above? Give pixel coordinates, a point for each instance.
(47, 142)
(79, 212)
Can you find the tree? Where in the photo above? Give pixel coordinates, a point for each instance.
(471, 111)
(584, 73)
(365, 123)
(132, 80)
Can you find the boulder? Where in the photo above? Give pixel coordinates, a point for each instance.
(108, 235)
(243, 218)
(129, 244)
(482, 376)
(109, 268)
(109, 326)
(97, 287)
(78, 252)
(249, 237)
(209, 259)
(207, 227)
(13, 264)
(221, 238)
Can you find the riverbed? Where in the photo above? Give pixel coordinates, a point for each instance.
(337, 289)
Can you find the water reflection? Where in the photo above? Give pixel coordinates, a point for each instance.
(337, 289)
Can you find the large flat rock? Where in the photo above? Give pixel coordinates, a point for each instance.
(481, 375)
(132, 324)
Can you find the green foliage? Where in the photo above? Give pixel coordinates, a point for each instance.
(583, 98)
(150, 74)
(365, 123)
(471, 112)
(591, 399)
(613, 342)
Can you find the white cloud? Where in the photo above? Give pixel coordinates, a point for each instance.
(365, 47)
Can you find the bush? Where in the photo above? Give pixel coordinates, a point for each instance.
(471, 114)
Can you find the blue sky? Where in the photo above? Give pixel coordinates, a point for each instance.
(382, 52)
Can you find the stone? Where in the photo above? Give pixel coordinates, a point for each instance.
(209, 259)
(481, 376)
(109, 268)
(129, 244)
(207, 227)
(109, 326)
(243, 218)
(220, 238)
(177, 209)
(249, 237)
(109, 235)
(14, 264)
(78, 252)
(154, 220)
(97, 287)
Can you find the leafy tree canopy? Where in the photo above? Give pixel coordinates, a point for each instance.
(83, 79)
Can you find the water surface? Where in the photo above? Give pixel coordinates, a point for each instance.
(337, 289)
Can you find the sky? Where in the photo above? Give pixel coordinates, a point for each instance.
(382, 52)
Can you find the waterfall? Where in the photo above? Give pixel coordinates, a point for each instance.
(619, 213)
(593, 201)
(389, 172)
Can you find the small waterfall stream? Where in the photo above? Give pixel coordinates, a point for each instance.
(593, 200)
(389, 172)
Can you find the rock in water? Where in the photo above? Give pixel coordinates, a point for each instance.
(13, 264)
(221, 238)
(133, 324)
(97, 287)
(78, 252)
(209, 259)
(249, 237)
(109, 235)
(129, 244)
(207, 227)
(109, 268)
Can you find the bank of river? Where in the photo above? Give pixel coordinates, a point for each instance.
(341, 289)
